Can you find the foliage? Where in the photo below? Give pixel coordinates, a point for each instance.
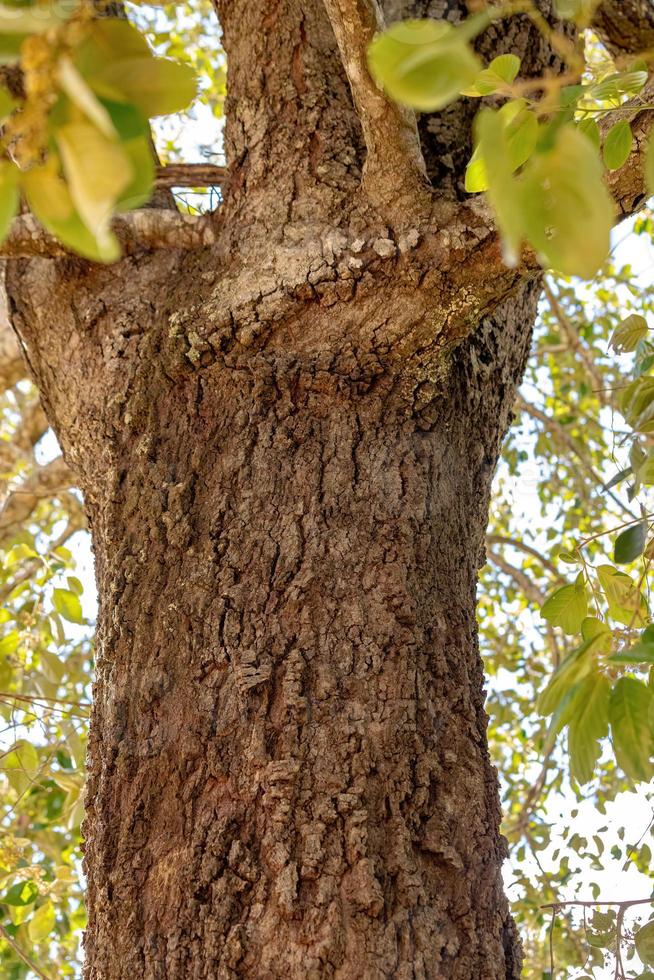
(75, 121)
(45, 676)
(539, 157)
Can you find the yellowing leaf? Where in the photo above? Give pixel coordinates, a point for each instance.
(424, 64)
(67, 605)
(98, 170)
(77, 90)
(568, 213)
(644, 940)
(41, 924)
(628, 334)
(50, 200)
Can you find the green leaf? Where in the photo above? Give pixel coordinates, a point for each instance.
(10, 47)
(424, 64)
(631, 715)
(617, 145)
(572, 9)
(521, 127)
(615, 86)
(618, 478)
(503, 189)
(18, 553)
(603, 929)
(594, 629)
(639, 653)
(41, 924)
(501, 72)
(75, 585)
(588, 726)
(644, 940)
(575, 667)
(630, 544)
(9, 643)
(566, 607)
(591, 131)
(637, 404)
(156, 86)
(21, 765)
(628, 334)
(67, 605)
(9, 197)
(108, 40)
(20, 894)
(567, 211)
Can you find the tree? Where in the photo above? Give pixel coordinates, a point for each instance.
(285, 420)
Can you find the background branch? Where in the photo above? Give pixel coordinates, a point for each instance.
(149, 228)
(191, 175)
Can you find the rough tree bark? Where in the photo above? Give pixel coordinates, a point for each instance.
(286, 441)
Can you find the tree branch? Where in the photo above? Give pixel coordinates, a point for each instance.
(46, 481)
(394, 172)
(142, 230)
(576, 345)
(625, 26)
(560, 435)
(627, 185)
(191, 175)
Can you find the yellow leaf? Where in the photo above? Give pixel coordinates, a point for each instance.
(97, 169)
(42, 923)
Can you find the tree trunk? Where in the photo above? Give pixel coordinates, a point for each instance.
(289, 774)
(288, 765)
(286, 445)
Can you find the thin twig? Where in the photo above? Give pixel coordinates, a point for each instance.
(22, 954)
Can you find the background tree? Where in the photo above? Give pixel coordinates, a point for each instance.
(285, 419)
